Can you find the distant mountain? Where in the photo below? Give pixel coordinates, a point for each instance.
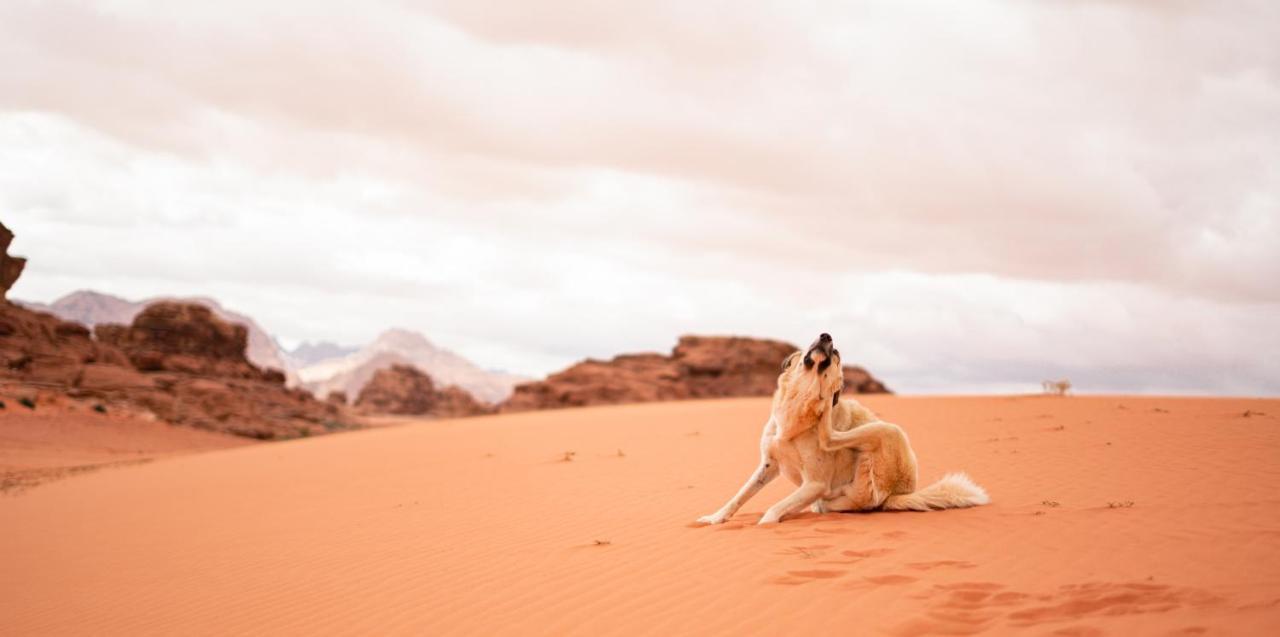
(91, 308)
(308, 353)
(350, 373)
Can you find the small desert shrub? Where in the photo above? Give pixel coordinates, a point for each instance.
(1056, 387)
(27, 402)
(100, 408)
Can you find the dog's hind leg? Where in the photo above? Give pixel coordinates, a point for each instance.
(866, 438)
(863, 493)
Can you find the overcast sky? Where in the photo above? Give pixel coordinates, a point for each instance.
(970, 197)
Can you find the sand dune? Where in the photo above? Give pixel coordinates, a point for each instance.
(54, 442)
(1119, 516)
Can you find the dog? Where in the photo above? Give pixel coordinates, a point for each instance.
(841, 456)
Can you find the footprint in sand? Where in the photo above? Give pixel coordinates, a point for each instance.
(928, 566)
(876, 581)
(944, 624)
(857, 556)
(816, 574)
(786, 580)
(976, 595)
(891, 580)
(1070, 602)
(1078, 631)
(796, 578)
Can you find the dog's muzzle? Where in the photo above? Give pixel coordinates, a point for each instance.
(819, 352)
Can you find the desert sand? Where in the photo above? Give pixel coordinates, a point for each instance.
(1110, 516)
(57, 441)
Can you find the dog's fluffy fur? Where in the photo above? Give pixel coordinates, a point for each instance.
(841, 456)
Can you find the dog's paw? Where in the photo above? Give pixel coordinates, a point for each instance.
(818, 506)
(711, 519)
(769, 519)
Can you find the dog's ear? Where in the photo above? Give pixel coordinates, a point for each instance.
(786, 362)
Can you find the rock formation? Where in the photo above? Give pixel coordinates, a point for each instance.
(44, 351)
(95, 308)
(698, 367)
(406, 390)
(10, 267)
(860, 381)
(182, 337)
(178, 362)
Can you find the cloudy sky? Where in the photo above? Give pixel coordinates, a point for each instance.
(971, 197)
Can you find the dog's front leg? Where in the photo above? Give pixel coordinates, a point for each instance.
(766, 472)
(802, 497)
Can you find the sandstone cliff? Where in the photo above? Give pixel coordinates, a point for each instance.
(698, 367)
(405, 390)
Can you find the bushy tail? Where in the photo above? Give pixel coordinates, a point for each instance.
(953, 491)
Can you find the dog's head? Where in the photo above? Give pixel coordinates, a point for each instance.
(808, 386)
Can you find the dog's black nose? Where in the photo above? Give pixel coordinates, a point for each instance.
(824, 337)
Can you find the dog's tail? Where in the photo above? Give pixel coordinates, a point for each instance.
(953, 491)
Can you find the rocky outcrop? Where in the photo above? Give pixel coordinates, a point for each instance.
(182, 337)
(698, 367)
(10, 267)
(177, 362)
(197, 365)
(44, 351)
(406, 390)
(95, 308)
(860, 381)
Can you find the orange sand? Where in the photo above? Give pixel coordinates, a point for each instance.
(477, 527)
(55, 442)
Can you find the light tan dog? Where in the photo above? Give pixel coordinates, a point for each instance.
(841, 456)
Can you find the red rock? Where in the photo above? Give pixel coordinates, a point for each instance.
(183, 337)
(99, 377)
(859, 381)
(10, 266)
(178, 361)
(698, 367)
(405, 390)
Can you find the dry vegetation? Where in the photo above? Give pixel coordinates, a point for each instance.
(1056, 387)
